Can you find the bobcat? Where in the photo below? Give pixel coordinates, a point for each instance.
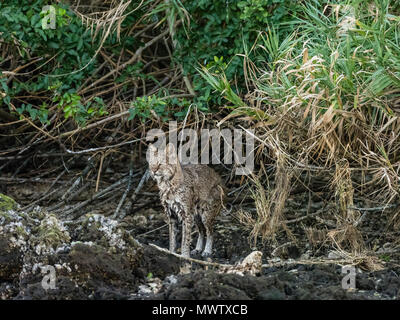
(191, 193)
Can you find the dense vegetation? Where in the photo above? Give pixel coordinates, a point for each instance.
(319, 81)
(212, 34)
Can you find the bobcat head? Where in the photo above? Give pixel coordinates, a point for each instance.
(164, 164)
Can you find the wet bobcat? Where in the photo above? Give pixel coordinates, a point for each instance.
(191, 193)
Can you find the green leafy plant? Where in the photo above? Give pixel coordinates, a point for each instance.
(218, 65)
(225, 29)
(58, 60)
(73, 107)
(35, 113)
(142, 108)
(59, 52)
(62, 17)
(220, 83)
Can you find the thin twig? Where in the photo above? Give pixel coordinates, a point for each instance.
(145, 177)
(128, 188)
(205, 263)
(96, 196)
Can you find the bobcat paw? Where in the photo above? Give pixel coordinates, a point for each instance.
(206, 254)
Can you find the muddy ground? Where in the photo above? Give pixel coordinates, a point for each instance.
(97, 256)
(294, 281)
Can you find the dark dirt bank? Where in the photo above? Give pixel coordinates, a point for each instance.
(96, 257)
(295, 282)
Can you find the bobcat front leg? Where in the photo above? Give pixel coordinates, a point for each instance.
(208, 221)
(209, 243)
(187, 224)
(173, 230)
(202, 232)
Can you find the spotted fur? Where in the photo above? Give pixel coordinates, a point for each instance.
(190, 194)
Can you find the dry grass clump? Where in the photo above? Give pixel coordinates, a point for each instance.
(330, 97)
(315, 236)
(269, 205)
(327, 98)
(346, 233)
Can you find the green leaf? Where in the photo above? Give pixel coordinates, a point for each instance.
(53, 45)
(132, 113)
(61, 12)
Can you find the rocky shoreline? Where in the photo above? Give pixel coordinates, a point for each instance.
(44, 257)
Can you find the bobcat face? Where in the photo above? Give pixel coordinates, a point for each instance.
(164, 164)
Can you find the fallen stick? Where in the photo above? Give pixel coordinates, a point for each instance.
(96, 196)
(145, 177)
(268, 265)
(47, 193)
(128, 188)
(148, 232)
(308, 262)
(205, 263)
